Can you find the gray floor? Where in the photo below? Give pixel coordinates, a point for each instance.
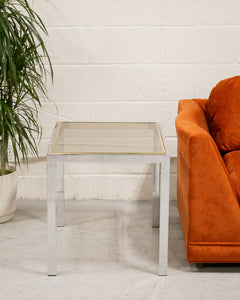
(107, 250)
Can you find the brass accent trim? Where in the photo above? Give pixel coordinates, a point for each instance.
(109, 153)
(55, 139)
(160, 138)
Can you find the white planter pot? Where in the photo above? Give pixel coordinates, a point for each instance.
(8, 196)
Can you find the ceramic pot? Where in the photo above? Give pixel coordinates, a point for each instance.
(8, 195)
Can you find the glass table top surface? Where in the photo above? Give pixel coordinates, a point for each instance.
(107, 138)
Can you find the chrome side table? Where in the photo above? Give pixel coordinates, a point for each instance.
(110, 143)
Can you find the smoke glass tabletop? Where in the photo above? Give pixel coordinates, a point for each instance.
(107, 138)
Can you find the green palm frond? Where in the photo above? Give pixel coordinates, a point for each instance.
(22, 78)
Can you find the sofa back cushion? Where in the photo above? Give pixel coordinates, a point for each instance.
(223, 112)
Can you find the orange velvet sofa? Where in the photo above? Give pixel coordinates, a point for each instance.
(207, 188)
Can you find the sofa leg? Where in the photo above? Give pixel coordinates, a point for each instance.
(200, 265)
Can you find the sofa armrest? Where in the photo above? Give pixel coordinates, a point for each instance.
(207, 201)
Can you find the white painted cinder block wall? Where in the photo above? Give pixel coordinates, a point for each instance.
(129, 60)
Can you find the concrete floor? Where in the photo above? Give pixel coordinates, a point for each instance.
(107, 250)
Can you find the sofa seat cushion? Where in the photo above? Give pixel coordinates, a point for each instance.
(223, 112)
(232, 162)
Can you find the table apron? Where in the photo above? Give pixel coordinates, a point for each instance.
(131, 158)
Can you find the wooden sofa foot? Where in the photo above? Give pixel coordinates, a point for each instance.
(200, 265)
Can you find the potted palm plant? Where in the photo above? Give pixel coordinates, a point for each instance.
(23, 71)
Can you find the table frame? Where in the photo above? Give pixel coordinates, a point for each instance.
(56, 205)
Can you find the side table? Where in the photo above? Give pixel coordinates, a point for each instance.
(110, 143)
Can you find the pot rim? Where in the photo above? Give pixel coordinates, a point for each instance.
(11, 168)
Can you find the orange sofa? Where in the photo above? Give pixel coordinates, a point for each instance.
(208, 188)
